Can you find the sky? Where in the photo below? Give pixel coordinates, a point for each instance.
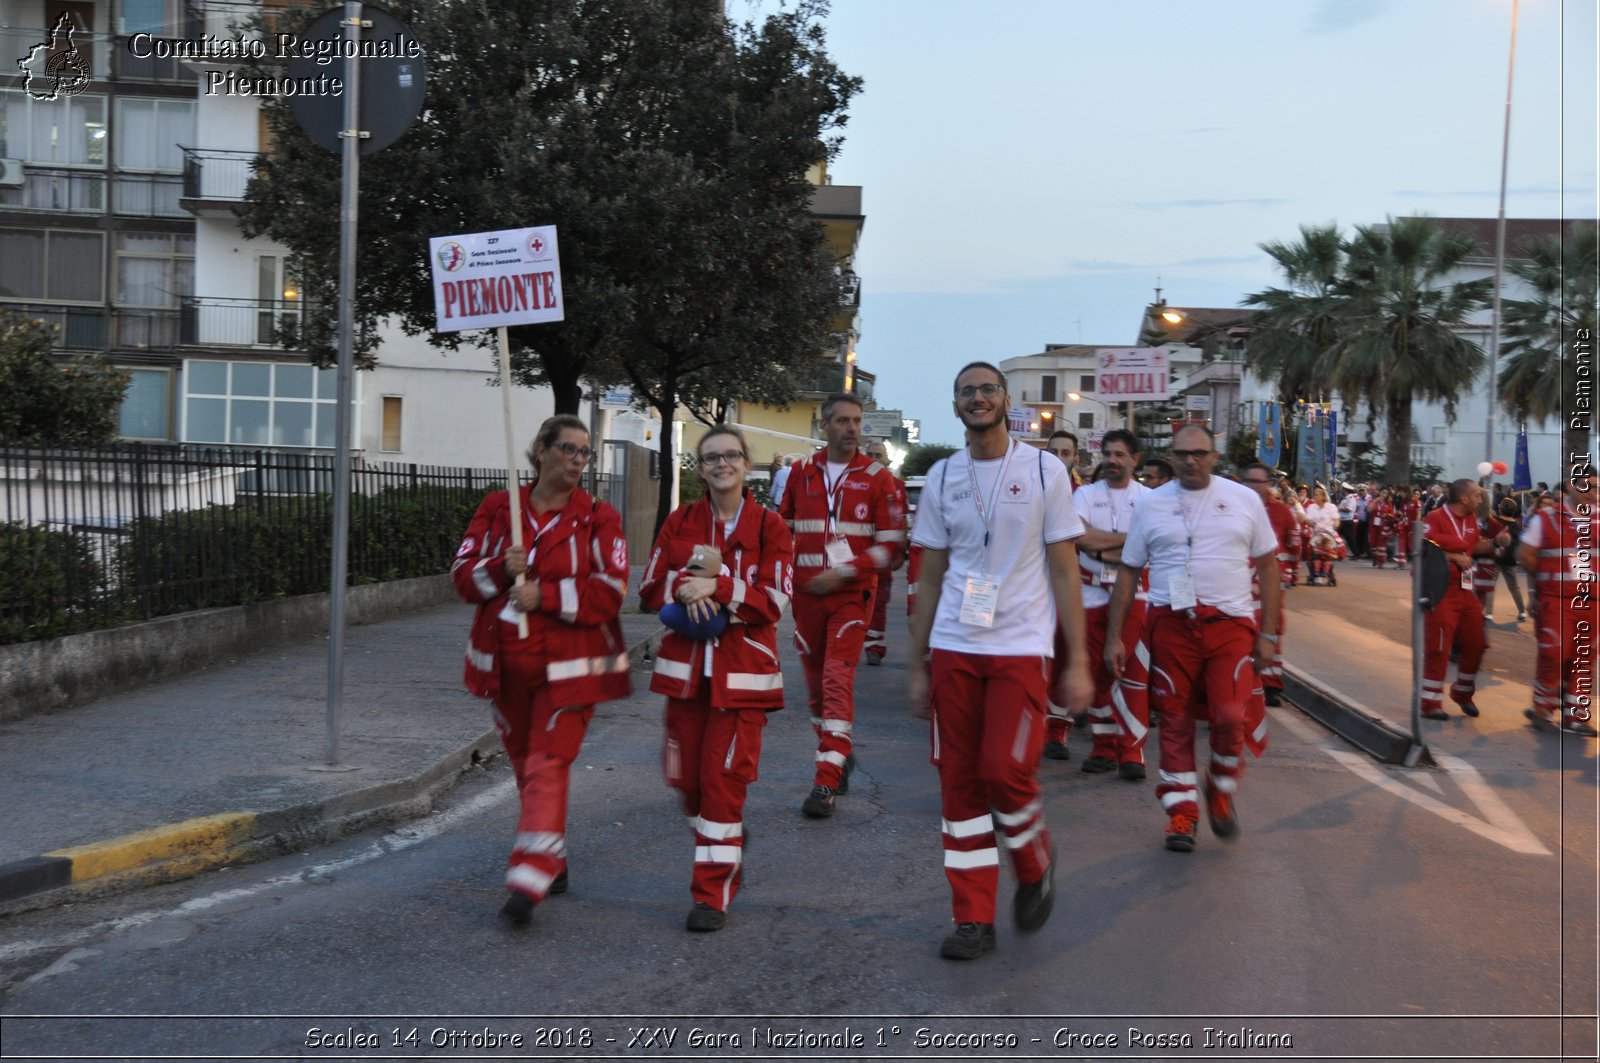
(1030, 168)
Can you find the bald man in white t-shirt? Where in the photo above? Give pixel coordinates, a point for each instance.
(996, 525)
(1200, 535)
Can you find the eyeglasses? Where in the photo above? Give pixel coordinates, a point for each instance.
(572, 450)
(1189, 455)
(988, 391)
(732, 457)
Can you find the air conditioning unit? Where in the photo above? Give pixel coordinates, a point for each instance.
(11, 173)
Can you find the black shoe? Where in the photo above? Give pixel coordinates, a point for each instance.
(819, 803)
(1131, 770)
(1468, 707)
(844, 776)
(1579, 727)
(873, 660)
(1097, 765)
(1030, 908)
(968, 941)
(1540, 720)
(703, 918)
(1274, 699)
(1054, 750)
(1435, 714)
(558, 884)
(518, 909)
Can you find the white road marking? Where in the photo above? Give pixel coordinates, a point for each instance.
(1499, 825)
(395, 841)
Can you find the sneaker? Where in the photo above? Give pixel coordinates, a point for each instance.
(1579, 727)
(518, 909)
(1219, 810)
(1543, 720)
(1273, 698)
(1131, 770)
(703, 918)
(1521, 617)
(1180, 833)
(1435, 714)
(873, 660)
(1054, 750)
(1097, 765)
(559, 883)
(1030, 908)
(1468, 708)
(968, 941)
(1488, 618)
(844, 776)
(819, 803)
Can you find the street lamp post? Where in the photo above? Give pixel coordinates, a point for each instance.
(1500, 251)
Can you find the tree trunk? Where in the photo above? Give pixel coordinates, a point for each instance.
(1397, 439)
(669, 466)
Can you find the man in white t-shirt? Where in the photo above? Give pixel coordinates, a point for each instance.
(1200, 535)
(996, 526)
(1119, 715)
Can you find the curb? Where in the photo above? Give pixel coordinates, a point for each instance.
(188, 848)
(1352, 721)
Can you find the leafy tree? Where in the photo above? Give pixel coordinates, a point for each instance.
(920, 458)
(1539, 335)
(1372, 319)
(668, 147)
(45, 401)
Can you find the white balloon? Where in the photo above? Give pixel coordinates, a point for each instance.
(1485, 468)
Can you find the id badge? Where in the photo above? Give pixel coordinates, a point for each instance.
(1108, 575)
(977, 604)
(1466, 579)
(839, 552)
(1181, 590)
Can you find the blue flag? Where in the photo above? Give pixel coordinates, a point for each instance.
(1332, 451)
(1309, 455)
(1269, 434)
(1521, 475)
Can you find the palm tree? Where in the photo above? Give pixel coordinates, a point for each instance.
(1538, 334)
(1299, 326)
(1401, 338)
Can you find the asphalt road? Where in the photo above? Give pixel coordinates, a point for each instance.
(1364, 912)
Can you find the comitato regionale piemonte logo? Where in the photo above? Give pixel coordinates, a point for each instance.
(55, 67)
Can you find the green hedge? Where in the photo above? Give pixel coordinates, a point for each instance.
(50, 584)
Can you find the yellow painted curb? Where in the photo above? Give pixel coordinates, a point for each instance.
(194, 843)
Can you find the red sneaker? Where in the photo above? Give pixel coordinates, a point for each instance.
(1180, 833)
(1219, 810)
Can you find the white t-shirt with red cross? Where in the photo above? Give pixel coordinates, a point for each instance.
(1027, 496)
(1210, 535)
(1109, 509)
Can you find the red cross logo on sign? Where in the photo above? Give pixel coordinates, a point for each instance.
(537, 245)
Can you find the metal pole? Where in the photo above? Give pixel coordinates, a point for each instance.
(1500, 250)
(513, 489)
(1417, 649)
(349, 179)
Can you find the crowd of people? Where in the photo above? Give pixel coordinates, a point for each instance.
(1149, 592)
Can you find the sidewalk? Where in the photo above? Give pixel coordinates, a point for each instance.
(228, 763)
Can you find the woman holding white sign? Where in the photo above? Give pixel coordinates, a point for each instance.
(546, 643)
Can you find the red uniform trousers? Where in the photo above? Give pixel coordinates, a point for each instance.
(877, 631)
(1208, 657)
(711, 758)
(541, 742)
(988, 730)
(1119, 718)
(829, 632)
(1455, 621)
(1564, 669)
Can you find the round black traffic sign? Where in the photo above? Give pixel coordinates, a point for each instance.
(393, 78)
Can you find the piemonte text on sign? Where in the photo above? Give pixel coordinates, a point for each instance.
(486, 280)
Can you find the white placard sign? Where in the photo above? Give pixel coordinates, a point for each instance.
(486, 280)
(1124, 374)
(880, 424)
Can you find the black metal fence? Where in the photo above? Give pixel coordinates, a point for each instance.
(90, 539)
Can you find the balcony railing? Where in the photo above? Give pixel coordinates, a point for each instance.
(148, 195)
(215, 176)
(226, 18)
(209, 321)
(94, 328)
(849, 290)
(57, 188)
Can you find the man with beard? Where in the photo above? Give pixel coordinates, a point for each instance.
(1200, 535)
(999, 576)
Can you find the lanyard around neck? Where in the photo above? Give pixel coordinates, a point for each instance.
(985, 514)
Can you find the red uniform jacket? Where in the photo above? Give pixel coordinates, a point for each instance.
(1454, 535)
(866, 510)
(581, 564)
(757, 581)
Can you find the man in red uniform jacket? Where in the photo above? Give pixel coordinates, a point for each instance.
(1457, 618)
(1258, 477)
(1558, 549)
(848, 526)
(878, 630)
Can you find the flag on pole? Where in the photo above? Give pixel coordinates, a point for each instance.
(1311, 464)
(1332, 451)
(1522, 475)
(1269, 434)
